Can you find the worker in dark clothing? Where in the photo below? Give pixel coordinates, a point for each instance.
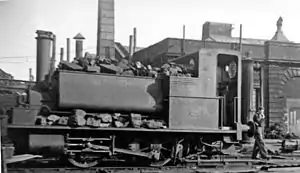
(259, 145)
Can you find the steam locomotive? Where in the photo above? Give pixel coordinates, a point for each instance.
(197, 112)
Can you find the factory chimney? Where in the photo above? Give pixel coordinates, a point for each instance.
(68, 49)
(106, 29)
(134, 40)
(43, 60)
(131, 48)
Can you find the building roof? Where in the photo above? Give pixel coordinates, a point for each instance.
(279, 35)
(136, 49)
(226, 39)
(124, 50)
(5, 75)
(121, 49)
(79, 36)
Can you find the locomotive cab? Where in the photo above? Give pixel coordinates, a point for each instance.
(217, 79)
(227, 88)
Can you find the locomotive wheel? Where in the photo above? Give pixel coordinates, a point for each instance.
(81, 162)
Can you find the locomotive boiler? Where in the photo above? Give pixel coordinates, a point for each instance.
(183, 116)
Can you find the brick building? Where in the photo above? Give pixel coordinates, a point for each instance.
(276, 67)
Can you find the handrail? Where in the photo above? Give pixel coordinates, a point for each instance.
(222, 109)
(235, 104)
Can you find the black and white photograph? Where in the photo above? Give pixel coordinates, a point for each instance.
(150, 86)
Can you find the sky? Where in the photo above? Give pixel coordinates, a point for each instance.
(154, 20)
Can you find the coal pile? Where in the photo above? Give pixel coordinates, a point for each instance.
(80, 118)
(93, 64)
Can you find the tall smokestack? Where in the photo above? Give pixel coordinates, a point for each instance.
(68, 49)
(61, 54)
(79, 45)
(30, 75)
(106, 28)
(53, 58)
(134, 40)
(183, 41)
(130, 48)
(43, 60)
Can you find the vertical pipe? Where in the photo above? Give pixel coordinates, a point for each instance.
(262, 85)
(30, 74)
(183, 41)
(3, 161)
(99, 24)
(240, 39)
(61, 54)
(30, 70)
(43, 64)
(130, 49)
(247, 89)
(53, 54)
(3, 124)
(134, 40)
(68, 49)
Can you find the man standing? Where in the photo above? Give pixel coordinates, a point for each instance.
(259, 145)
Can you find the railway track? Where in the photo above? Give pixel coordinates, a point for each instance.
(98, 170)
(228, 165)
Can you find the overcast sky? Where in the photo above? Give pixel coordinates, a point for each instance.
(154, 19)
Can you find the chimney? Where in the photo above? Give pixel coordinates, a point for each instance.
(79, 45)
(134, 40)
(43, 58)
(61, 54)
(210, 29)
(31, 78)
(106, 28)
(131, 50)
(183, 41)
(53, 58)
(68, 49)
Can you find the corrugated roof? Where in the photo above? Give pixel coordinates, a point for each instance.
(225, 39)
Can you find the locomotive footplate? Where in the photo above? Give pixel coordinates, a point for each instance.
(66, 128)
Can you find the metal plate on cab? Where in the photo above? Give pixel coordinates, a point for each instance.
(194, 113)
